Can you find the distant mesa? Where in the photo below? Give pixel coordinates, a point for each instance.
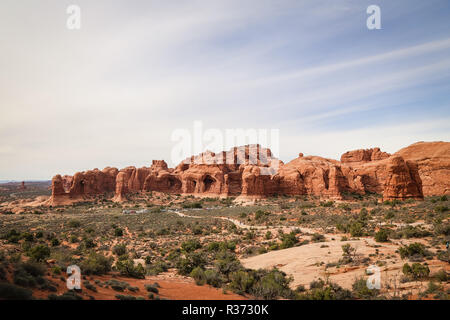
(252, 171)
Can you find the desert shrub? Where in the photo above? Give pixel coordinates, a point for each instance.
(241, 281)
(213, 278)
(191, 245)
(260, 214)
(288, 240)
(74, 223)
(442, 229)
(199, 276)
(118, 232)
(56, 270)
(327, 204)
(319, 290)
(192, 205)
(348, 254)
(151, 288)
(39, 253)
(190, 262)
(10, 291)
(356, 229)
(441, 209)
(127, 268)
(382, 235)
(27, 236)
(88, 243)
(128, 297)
(226, 263)
(95, 263)
(272, 285)
(361, 291)
(414, 249)
(69, 295)
(90, 286)
(197, 230)
(12, 236)
(441, 276)
(317, 237)
(120, 249)
(29, 274)
(157, 267)
(444, 256)
(415, 271)
(221, 246)
(54, 242)
(411, 232)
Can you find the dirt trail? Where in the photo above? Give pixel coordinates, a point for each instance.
(241, 225)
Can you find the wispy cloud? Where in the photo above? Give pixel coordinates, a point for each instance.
(113, 92)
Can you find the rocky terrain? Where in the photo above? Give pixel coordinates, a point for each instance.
(422, 169)
(236, 225)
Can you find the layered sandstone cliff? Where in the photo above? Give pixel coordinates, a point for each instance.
(418, 170)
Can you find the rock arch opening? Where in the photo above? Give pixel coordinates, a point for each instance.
(208, 183)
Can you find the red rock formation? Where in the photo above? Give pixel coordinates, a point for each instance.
(23, 186)
(253, 171)
(433, 163)
(83, 185)
(364, 155)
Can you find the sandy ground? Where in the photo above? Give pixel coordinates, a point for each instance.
(172, 287)
(307, 263)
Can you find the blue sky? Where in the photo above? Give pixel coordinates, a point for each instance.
(113, 92)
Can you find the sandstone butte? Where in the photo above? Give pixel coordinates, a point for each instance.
(422, 169)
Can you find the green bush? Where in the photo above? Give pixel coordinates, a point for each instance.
(319, 290)
(356, 229)
(213, 278)
(96, 263)
(9, 291)
(412, 250)
(74, 223)
(441, 276)
(118, 232)
(382, 235)
(199, 276)
(69, 295)
(288, 240)
(259, 214)
(29, 274)
(441, 209)
(241, 282)
(152, 288)
(193, 205)
(127, 268)
(361, 291)
(416, 270)
(191, 245)
(39, 253)
(190, 262)
(317, 237)
(120, 249)
(272, 285)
